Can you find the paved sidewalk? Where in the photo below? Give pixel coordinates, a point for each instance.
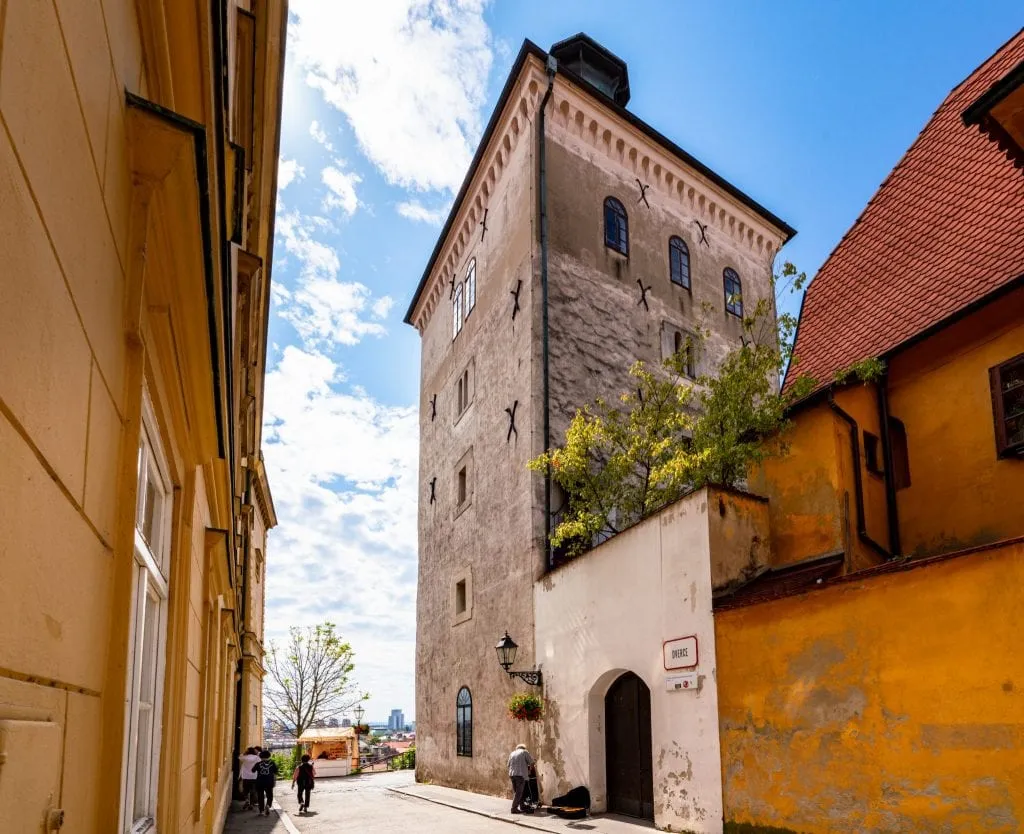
(498, 809)
(249, 822)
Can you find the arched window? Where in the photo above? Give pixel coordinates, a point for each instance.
(616, 226)
(470, 287)
(464, 723)
(733, 292)
(679, 262)
(457, 311)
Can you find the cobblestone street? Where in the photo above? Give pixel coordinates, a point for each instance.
(363, 804)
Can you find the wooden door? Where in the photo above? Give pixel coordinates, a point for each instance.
(628, 764)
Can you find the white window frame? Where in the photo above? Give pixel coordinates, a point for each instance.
(457, 312)
(150, 587)
(470, 287)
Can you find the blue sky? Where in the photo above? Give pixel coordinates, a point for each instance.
(806, 106)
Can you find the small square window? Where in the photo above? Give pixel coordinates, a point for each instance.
(872, 455)
(462, 596)
(1007, 384)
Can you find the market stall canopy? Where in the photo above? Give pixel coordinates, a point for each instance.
(320, 734)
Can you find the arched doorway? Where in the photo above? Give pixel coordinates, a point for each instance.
(628, 764)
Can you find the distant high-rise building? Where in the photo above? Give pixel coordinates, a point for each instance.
(397, 720)
(346, 722)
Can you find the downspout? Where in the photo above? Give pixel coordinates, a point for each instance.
(552, 67)
(890, 474)
(858, 486)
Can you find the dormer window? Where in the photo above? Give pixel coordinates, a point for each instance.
(679, 262)
(616, 226)
(733, 292)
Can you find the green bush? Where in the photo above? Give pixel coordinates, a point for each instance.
(286, 763)
(405, 761)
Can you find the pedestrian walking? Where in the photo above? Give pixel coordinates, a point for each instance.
(266, 776)
(246, 764)
(305, 776)
(519, 763)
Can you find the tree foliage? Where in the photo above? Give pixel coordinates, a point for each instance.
(622, 461)
(310, 678)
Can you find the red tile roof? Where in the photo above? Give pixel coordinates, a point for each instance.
(945, 229)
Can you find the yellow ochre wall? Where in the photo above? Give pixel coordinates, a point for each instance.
(888, 701)
(961, 494)
(85, 252)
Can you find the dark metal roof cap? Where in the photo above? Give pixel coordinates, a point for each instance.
(596, 65)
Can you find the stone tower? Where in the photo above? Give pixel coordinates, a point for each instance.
(581, 240)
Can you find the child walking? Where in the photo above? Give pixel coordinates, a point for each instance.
(266, 775)
(305, 776)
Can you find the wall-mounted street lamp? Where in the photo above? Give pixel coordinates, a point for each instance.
(506, 649)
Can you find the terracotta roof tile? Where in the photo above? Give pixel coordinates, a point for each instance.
(944, 229)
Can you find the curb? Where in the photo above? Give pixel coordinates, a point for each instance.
(499, 817)
(286, 821)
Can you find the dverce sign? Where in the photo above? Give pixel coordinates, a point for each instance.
(680, 652)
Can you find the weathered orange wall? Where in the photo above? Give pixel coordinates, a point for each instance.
(960, 495)
(804, 491)
(892, 701)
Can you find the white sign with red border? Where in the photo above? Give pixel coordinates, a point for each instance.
(680, 653)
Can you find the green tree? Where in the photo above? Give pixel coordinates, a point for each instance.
(310, 678)
(622, 461)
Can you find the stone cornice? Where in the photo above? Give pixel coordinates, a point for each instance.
(597, 128)
(513, 126)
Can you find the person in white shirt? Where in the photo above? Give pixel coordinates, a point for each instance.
(519, 763)
(246, 763)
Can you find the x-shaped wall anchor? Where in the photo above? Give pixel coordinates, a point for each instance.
(703, 233)
(483, 223)
(643, 193)
(511, 412)
(515, 295)
(433, 485)
(643, 294)
(433, 407)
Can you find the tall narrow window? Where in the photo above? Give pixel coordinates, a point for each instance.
(470, 287)
(148, 625)
(1007, 384)
(733, 292)
(679, 262)
(900, 454)
(463, 487)
(457, 311)
(616, 226)
(464, 723)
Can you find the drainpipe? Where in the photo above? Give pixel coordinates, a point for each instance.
(892, 512)
(858, 486)
(552, 67)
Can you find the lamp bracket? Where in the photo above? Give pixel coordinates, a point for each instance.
(532, 678)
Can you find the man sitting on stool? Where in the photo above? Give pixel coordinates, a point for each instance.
(519, 763)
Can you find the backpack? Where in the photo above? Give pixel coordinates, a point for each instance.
(306, 774)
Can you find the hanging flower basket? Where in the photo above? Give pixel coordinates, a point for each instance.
(362, 729)
(525, 707)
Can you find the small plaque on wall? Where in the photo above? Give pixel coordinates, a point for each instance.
(680, 653)
(678, 683)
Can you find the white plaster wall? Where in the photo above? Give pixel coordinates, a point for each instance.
(609, 612)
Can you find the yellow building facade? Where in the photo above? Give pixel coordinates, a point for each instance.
(138, 159)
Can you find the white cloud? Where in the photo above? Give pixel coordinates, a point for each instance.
(416, 211)
(324, 310)
(288, 171)
(409, 75)
(320, 135)
(342, 189)
(343, 470)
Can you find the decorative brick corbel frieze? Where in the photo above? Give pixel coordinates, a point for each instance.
(640, 157)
